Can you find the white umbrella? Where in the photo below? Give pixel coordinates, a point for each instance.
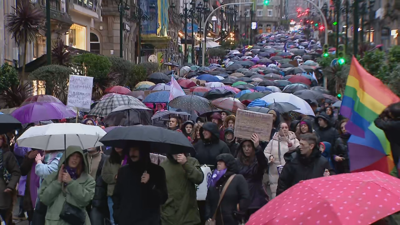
(58, 136)
(214, 84)
(304, 107)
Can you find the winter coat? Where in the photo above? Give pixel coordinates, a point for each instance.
(208, 150)
(26, 166)
(340, 149)
(9, 163)
(110, 170)
(300, 168)
(328, 133)
(236, 196)
(253, 173)
(392, 130)
(273, 148)
(181, 205)
(78, 192)
(136, 203)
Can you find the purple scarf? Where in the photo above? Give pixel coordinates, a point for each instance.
(212, 181)
(125, 161)
(72, 172)
(34, 183)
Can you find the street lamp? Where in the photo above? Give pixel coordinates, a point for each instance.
(121, 8)
(184, 17)
(192, 15)
(201, 10)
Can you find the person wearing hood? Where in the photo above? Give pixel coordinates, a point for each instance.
(210, 146)
(236, 198)
(326, 151)
(229, 122)
(304, 128)
(340, 154)
(331, 115)
(252, 164)
(283, 141)
(182, 173)
(8, 163)
(325, 131)
(140, 189)
(216, 118)
(68, 191)
(303, 164)
(187, 129)
(230, 140)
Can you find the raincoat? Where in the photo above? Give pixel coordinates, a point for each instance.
(78, 192)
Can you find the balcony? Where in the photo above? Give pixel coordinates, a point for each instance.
(88, 8)
(59, 18)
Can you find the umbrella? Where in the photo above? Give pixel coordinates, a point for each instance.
(282, 83)
(262, 89)
(239, 83)
(276, 58)
(282, 107)
(147, 83)
(258, 109)
(128, 116)
(337, 104)
(158, 78)
(300, 79)
(167, 140)
(191, 103)
(238, 95)
(309, 94)
(59, 136)
(244, 86)
(40, 111)
(200, 89)
(266, 83)
(272, 76)
(214, 84)
(252, 96)
(320, 89)
(106, 106)
(41, 98)
(8, 123)
(118, 90)
(157, 97)
(228, 81)
(217, 93)
(234, 67)
(332, 98)
(167, 113)
(351, 198)
(137, 94)
(161, 87)
(143, 87)
(303, 106)
(291, 88)
(286, 65)
(229, 88)
(246, 79)
(208, 78)
(237, 75)
(186, 83)
(230, 104)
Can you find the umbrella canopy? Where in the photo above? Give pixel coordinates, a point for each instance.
(300, 79)
(238, 95)
(8, 123)
(147, 83)
(40, 111)
(167, 141)
(309, 94)
(237, 75)
(59, 136)
(230, 104)
(273, 76)
(351, 198)
(186, 83)
(158, 78)
(266, 83)
(214, 84)
(161, 87)
(118, 90)
(191, 103)
(128, 116)
(282, 107)
(208, 78)
(228, 81)
(217, 93)
(137, 94)
(274, 88)
(157, 97)
(167, 113)
(291, 88)
(320, 89)
(281, 83)
(252, 96)
(143, 87)
(234, 67)
(239, 83)
(303, 106)
(106, 106)
(337, 104)
(199, 89)
(258, 109)
(41, 98)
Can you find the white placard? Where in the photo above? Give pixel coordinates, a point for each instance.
(203, 187)
(80, 92)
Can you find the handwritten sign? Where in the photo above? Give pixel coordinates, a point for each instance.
(248, 123)
(80, 92)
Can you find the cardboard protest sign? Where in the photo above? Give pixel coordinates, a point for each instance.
(248, 123)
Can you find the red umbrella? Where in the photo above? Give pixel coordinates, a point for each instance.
(351, 198)
(199, 89)
(186, 83)
(300, 79)
(41, 98)
(230, 104)
(118, 90)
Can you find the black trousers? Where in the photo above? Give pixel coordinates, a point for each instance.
(6, 215)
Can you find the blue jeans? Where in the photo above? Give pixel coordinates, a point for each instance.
(110, 208)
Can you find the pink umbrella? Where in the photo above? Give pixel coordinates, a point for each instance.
(230, 104)
(118, 90)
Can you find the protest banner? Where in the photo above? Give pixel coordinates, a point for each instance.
(248, 123)
(80, 92)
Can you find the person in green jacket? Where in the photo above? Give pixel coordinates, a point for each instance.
(182, 174)
(72, 184)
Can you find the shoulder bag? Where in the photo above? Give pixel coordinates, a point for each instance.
(212, 221)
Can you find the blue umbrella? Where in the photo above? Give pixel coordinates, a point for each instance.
(259, 103)
(208, 78)
(261, 89)
(238, 95)
(157, 97)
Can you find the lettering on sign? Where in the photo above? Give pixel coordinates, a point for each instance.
(80, 92)
(248, 123)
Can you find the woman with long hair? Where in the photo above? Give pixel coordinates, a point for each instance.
(340, 154)
(196, 133)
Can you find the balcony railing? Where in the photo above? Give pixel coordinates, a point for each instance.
(88, 4)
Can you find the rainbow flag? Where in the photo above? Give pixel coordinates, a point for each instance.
(364, 99)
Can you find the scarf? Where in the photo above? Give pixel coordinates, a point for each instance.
(125, 161)
(212, 181)
(72, 172)
(34, 184)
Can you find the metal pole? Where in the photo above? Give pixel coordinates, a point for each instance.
(347, 24)
(362, 23)
(245, 26)
(251, 30)
(337, 25)
(192, 34)
(200, 22)
(356, 25)
(222, 23)
(185, 60)
(48, 33)
(121, 29)
(140, 13)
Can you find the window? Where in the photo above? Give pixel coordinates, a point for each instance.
(248, 12)
(270, 13)
(260, 2)
(94, 43)
(259, 12)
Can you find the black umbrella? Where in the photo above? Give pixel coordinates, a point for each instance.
(128, 116)
(158, 78)
(234, 67)
(264, 61)
(286, 65)
(272, 76)
(258, 109)
(228, 81)
(282, 107)
(320, 89)
(291, 88)
(309, 94)
(307, 57)
(218, 93)
(245, 79)
(266, 83)
(276, 58)
(242, 70)
(281, 83)
(8, 123)
(167, 141)
(191, 103)
(244, 87)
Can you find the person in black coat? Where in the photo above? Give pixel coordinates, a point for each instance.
(325, 130)
(303, 164)
(236, 199)
(210, 146)
(230, 140)
(140, 190)
(340, 154)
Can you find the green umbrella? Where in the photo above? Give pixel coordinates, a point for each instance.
(238, 83)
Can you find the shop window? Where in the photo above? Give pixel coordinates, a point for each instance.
(76, 37)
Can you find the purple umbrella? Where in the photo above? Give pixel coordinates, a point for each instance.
(40, 111)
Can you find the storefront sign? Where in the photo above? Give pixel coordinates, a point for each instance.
(80, 92)
(248, 122)
(253, 25)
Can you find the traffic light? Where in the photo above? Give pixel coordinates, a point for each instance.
(339, 96)
(316, 24)
(266, 2)
(298, 12)
(321, 28)
(341, 54)
(334, 23)
(326, 49)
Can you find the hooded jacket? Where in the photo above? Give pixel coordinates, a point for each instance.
(232, 145)
(237, 194)
(78, 192)
(328, 133)
(225, 126)
(327, 152)
(181, 205)
(184, 130)
(298, 167)
(9, 163)
(340, 149)
(208, 150)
